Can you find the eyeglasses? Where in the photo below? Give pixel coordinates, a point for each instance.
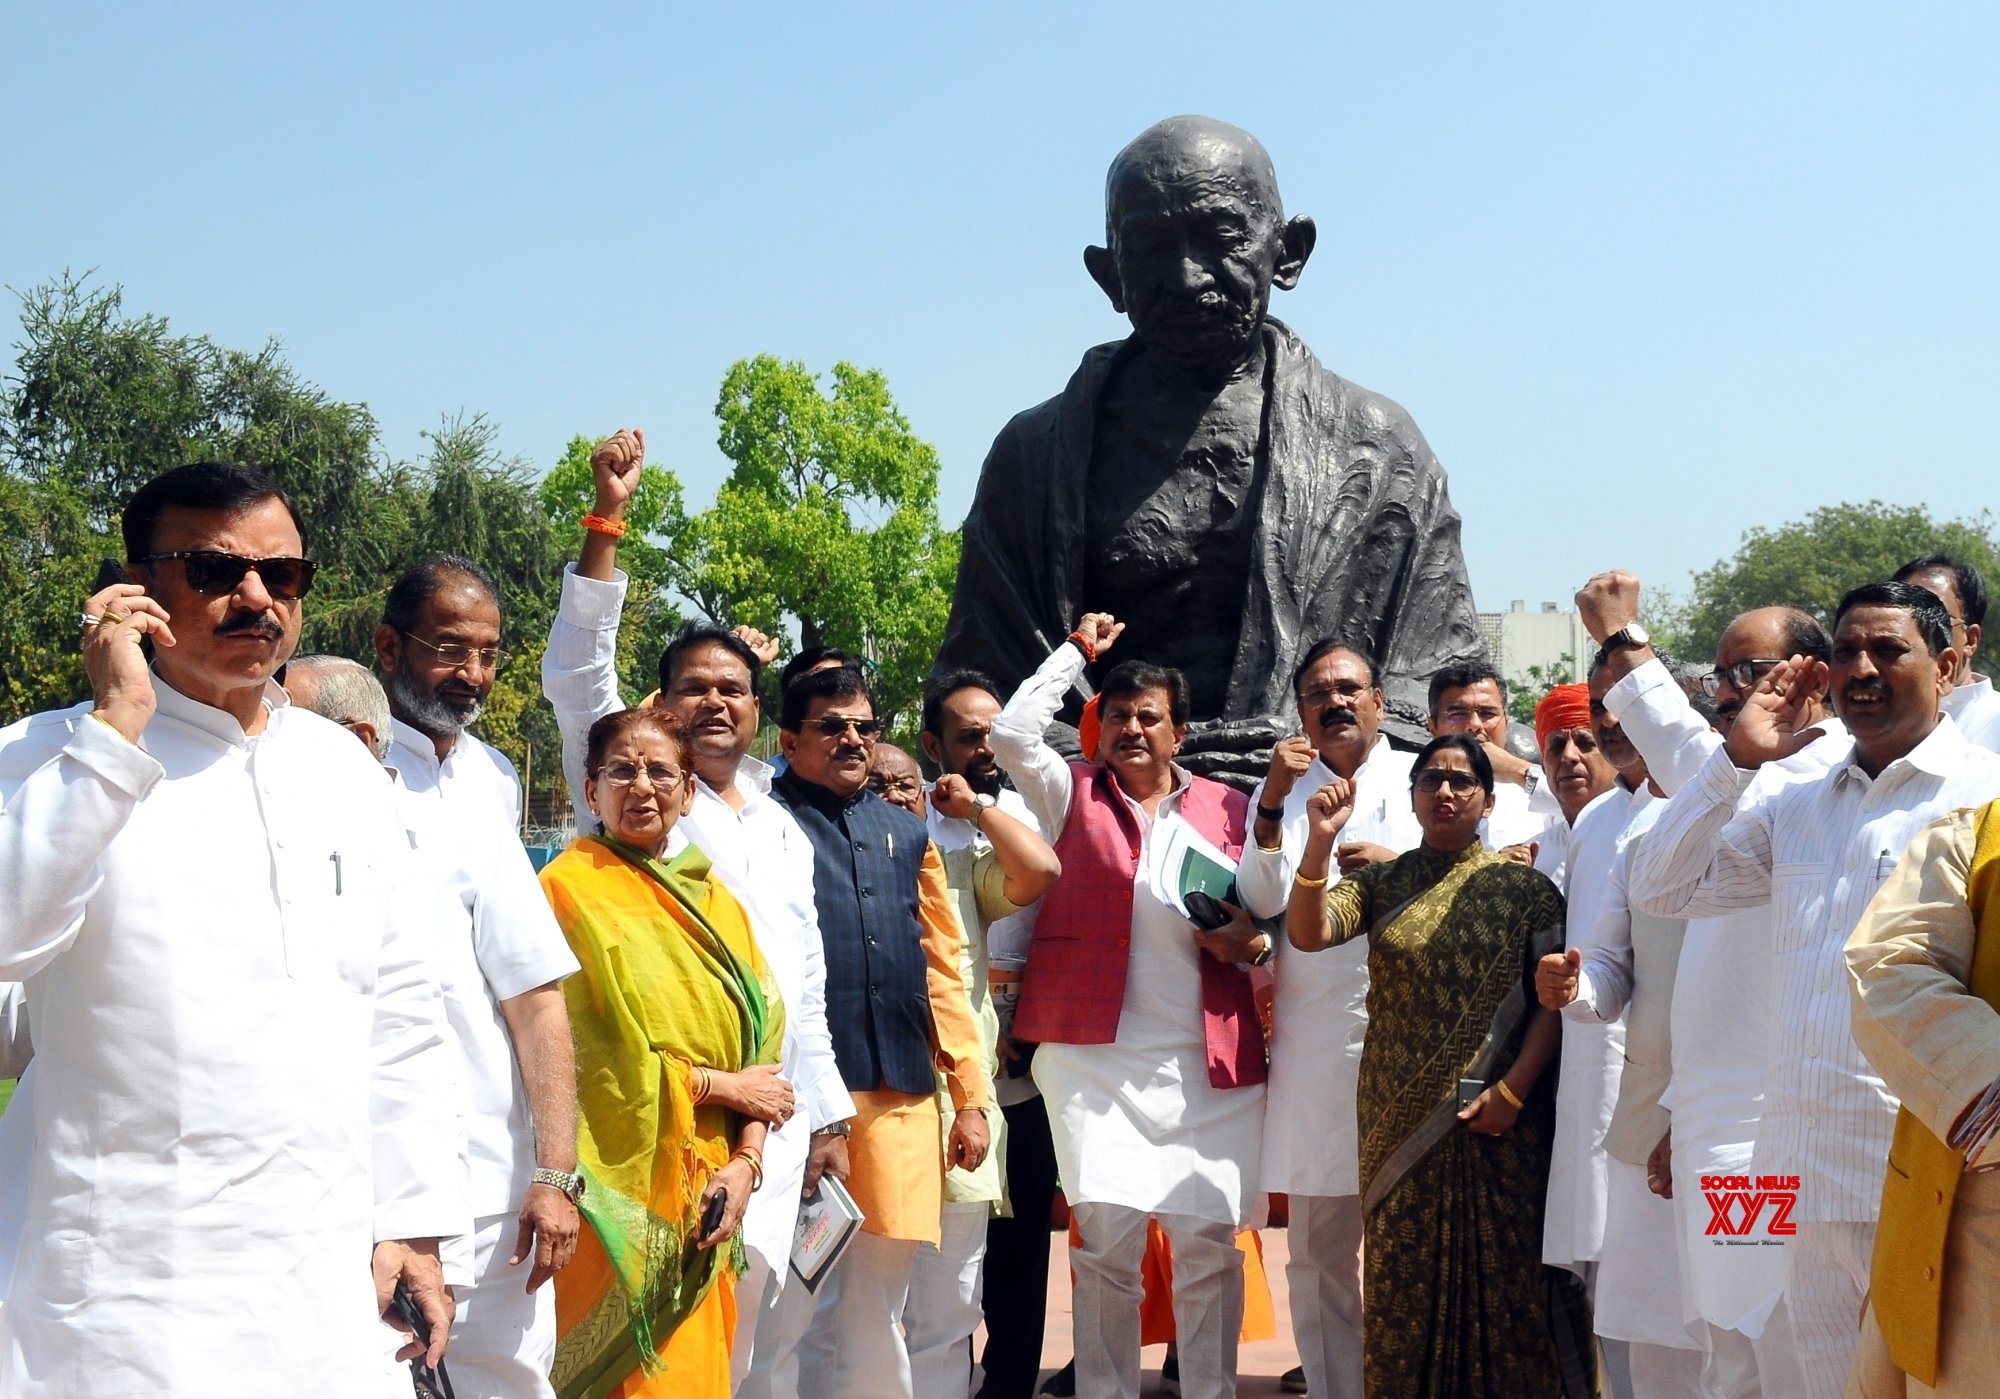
(1347, 694)
(834, 725)
(215, 574)
(1743, 674)
(1439, 779)
(882, 786)
(453, 654)
(659, 775)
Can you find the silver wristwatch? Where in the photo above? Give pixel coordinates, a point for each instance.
(570, 1185)
(982, 803)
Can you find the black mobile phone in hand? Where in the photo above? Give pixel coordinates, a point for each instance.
(1469, 1090)
(718, 1206)
(108, 572)
(1206, 911)
(425, 1382)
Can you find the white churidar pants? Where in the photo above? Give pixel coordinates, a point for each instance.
(1749, 1367)
(1323, 1276)
(1827, 1285)
(1208, 1301)
(944, 1303)
(855, 1348)
(503, 1343)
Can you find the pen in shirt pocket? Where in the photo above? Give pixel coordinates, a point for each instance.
(335, 859)
(1883, 864)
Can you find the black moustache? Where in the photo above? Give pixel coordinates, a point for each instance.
(1329, 717)
(251, 622)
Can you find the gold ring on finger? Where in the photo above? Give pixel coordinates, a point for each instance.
(114, 617)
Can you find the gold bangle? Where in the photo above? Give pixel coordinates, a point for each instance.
(756, 1161)
(699, 1085)
(1277, 849)
(1508, 1093)
(1304, 883)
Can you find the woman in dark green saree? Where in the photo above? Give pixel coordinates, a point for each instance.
(1457, 1302)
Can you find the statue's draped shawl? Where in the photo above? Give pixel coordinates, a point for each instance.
(1355, 538)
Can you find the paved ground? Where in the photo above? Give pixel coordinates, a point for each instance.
(1258, 1364)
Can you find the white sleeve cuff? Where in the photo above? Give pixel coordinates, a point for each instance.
(123, 764)
(591, 603)
(1642, 681)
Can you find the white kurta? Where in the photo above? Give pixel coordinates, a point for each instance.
(1519, 816)
(1311, 1139)
(1975, 708)
(1723, 1019)
(761, 856)
(501, 943)
(1592, 1053)
(239, 1062)
(1135, 1122)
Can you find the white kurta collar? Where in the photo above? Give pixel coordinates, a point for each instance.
(219, 723)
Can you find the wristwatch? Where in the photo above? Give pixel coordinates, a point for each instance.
(1263, 959)
(842, 1128)
(570, 1185)
(1631, 634)
(982, 802)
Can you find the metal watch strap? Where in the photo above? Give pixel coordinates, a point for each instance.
(842, 1128)
(570, 1185)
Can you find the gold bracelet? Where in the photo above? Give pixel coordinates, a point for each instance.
(1508, 1093)
(699, 1084)
(1277, 849)
(1304, 883)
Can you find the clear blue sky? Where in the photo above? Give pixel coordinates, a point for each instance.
(1645, 275)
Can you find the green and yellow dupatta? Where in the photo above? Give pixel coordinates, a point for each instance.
(671, 978)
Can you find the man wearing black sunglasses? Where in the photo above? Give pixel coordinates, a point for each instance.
(896, 1004)
(241, 1084)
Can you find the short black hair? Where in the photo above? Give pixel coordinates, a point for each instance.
(1925, 607)
(812, 656)
(696, 634)
(1130, 677)
(425, 579)
(1971, 586)
(1326, 645)
(840, 682)
(1459, 674)
(220, 486)
(949, 684)
(1475, 757)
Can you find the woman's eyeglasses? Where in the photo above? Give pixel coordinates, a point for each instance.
(833, 726)
(1441, 779)
(216, 574)
(658, 775)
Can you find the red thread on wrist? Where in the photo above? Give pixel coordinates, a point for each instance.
(599, 524)
(1084, 645)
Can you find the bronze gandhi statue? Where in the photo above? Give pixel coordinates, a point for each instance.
(1207, 481)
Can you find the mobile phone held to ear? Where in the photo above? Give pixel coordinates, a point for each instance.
(1205, 910)
(108, 572)
(718, 1206)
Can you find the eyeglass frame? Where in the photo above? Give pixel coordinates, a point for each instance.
(1434, 780)
(489, 656)
(606, 774)
(1711, 681)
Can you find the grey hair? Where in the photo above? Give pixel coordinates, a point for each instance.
(347, 693)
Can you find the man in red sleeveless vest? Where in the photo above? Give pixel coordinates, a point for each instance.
(1151, 1055)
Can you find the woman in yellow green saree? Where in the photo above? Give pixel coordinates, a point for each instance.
(1456, 1302)
(672, 1000)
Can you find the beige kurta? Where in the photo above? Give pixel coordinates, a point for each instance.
(1937, 1046)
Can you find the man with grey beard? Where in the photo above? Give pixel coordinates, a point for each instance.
(439, 649)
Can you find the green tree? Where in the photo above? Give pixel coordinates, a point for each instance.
(1525, 694)
(1810, 563)
(828, 521)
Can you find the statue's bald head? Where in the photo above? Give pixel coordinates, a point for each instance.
(1189, 151)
